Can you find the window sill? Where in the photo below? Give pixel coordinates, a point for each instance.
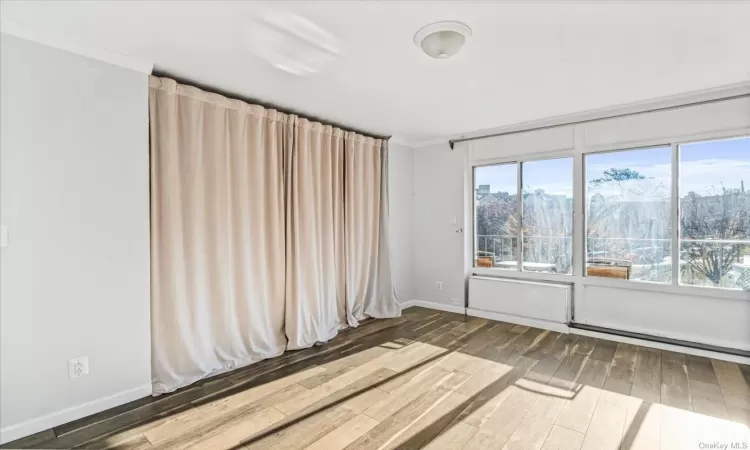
(527, 276)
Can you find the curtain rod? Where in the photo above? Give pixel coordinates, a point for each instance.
(451, 142)
(250, 100)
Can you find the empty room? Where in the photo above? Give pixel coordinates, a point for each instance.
(322, 225)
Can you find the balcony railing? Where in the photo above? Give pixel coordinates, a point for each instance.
(649, 259)
(541, 253)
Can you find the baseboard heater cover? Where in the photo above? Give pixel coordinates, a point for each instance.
(534, 300)
(662, 340)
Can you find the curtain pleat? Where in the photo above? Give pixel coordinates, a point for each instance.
(269, 232)
(315, 302)
(218, 258)
(370, 290)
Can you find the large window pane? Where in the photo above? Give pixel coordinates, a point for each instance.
(496, 218)
(715, 213)
(628, 210)
(548, 215)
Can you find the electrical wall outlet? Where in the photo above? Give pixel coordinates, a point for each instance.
(456, 301)
(78, 367)
(439, 285)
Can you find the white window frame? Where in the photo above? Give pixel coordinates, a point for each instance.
(578, 278)
(584, 193)
(676, 230)
(518, 161)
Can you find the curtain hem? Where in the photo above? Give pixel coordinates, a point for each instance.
(229, 366)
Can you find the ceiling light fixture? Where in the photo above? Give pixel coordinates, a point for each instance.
(442, 40)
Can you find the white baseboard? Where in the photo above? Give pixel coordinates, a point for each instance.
(17, 431)
(662, 346)
(407, 304)
(518, 320)
(435, 305)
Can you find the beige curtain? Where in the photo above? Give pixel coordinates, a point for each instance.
(268, 232)
(217, 233)
(316, 266)
(370, 290)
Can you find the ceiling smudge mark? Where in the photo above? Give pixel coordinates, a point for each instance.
(292, 43)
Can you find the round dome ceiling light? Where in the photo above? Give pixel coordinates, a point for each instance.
(442, 40)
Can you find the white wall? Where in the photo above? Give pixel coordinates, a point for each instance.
(75, 276)
(401, 194)
(438, 247)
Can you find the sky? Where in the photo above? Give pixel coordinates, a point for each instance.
(555, 176)
(703, 166)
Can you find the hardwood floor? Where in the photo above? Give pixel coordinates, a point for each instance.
(434, 380)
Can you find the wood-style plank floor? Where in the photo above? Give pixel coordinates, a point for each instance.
(436, 380)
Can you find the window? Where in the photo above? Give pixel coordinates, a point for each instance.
(628, 214)
(671, 214)
(496, 216)
(545, 229)
(548, 215)
(715, 213)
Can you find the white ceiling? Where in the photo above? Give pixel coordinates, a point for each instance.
(525, 61)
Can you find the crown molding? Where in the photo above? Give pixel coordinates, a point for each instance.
(79, 48)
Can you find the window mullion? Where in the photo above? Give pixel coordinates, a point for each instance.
(519, 195)
(579, 216)
(675, 215)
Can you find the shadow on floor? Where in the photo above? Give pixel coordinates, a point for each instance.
(494, 341)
